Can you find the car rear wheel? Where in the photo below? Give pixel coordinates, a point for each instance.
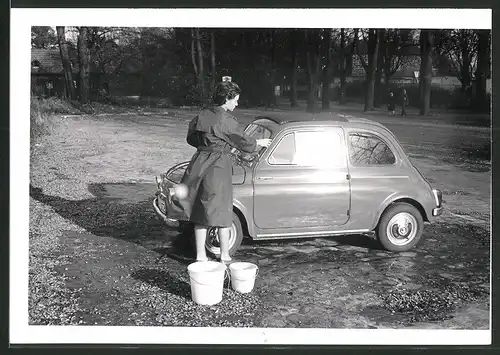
(400, 227)
(212, 243)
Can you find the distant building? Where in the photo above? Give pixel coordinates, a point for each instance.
(408, 72)
(47, 74)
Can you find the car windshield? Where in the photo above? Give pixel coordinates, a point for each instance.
(257, 131)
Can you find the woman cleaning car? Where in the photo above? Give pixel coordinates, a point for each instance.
(208, 177)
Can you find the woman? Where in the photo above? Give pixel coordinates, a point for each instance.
(208, 177)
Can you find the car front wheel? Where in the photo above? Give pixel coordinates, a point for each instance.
(400, 227)
(212, 243)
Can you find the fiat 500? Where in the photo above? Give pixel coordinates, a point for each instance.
(323, 175)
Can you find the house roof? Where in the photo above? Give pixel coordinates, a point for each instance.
(49, 60)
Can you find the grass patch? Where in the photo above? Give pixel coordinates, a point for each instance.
(41, 109)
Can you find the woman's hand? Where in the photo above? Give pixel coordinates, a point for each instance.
(263, 142)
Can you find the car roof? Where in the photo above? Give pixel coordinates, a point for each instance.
(317, 118)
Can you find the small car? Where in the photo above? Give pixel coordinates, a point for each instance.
(324, 174)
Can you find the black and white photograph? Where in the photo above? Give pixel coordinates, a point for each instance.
(241, 177)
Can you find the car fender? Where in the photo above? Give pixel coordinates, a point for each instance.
(244, 214)
(394, 198)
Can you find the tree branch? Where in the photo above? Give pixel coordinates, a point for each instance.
(393, 71)
(356, 41)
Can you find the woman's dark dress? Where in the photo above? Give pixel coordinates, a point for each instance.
(209, 174)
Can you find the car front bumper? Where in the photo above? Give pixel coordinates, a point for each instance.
(172, 223)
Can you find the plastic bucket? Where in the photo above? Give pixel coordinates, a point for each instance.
(207, 281)
(243, 276)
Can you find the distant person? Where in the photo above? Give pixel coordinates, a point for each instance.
(208, 177)
(404, 102)
(391, 106)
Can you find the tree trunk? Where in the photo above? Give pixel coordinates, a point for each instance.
(380, 69)
(212, 58)
(465, 70)
(68, 74)
(201, 76)
(350, 55)
(313, 64)
(295, 63)
(193, 53)
(325, 95)
(373, 45)
(425, 71)
(482, 71)
(273, 67)
(84, 61)
(342, 67)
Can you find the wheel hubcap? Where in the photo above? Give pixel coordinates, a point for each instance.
(402, 228)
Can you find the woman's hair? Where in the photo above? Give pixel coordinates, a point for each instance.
(226, 90)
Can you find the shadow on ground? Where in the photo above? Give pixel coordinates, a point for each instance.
(124, 211)
(164, 280)
(357, 240)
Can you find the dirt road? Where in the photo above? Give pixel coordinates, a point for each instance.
(97, 249)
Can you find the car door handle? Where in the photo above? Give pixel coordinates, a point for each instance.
(264, 178)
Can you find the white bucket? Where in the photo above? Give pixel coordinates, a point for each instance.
(243, 276)
(207, 281)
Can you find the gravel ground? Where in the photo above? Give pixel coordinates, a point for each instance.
(98, 254)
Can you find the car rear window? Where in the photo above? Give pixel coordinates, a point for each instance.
(369, 149)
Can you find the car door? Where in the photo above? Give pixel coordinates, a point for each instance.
(303, 181)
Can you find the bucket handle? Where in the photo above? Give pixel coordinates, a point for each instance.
(227, 275)
(256, 273)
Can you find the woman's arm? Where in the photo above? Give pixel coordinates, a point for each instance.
(233, 133)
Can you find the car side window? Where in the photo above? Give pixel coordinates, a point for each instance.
(368, 149)
(310, 149)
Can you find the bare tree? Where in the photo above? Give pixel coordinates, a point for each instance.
(342, 66)
(379, 68)
(396, 41)
(313, 65)
(84, 61)
(274, 59)
(295, 64)
(483, 68)
(371, 66)
(66, 62)
(212, 58)
(345, 60)
(459, 47)
(201, 76)
(325, 95)
(193, 52)
(425, 70)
